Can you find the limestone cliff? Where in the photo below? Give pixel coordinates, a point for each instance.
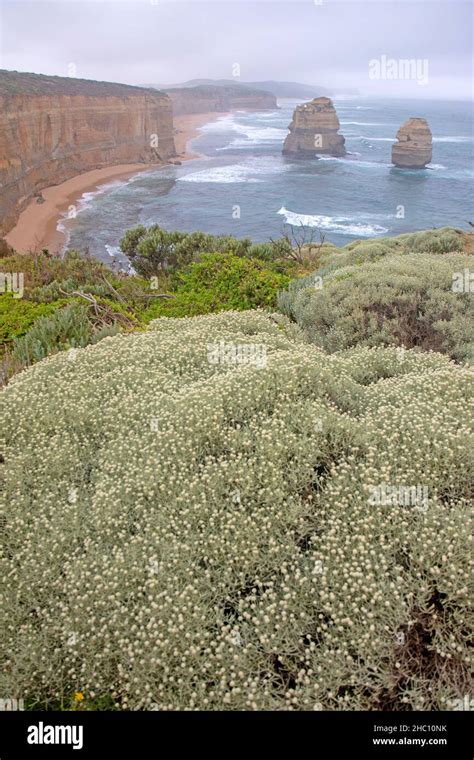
(414, 147)
(314, 130)
(52, 128)
(208, 98)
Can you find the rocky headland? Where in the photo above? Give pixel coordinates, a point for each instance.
(218, 98)
(314, 130)
(413, 149)
(53, 128)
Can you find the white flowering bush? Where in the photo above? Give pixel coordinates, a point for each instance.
(401, 291)
(187, 534)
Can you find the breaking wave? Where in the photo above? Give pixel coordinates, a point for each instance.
(344, 224)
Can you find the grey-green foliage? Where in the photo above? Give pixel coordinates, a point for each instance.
(69, 327)
(191, 534)
(441, 240)
(394, 291)
(58, 289)
(153, 249)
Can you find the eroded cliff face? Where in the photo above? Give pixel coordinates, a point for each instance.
(208, 99)
(414, 147)
(314, 130)
(48, 137)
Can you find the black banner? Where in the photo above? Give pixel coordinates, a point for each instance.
(124, 734)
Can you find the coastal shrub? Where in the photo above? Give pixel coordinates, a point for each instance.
(51, 282)
(404, 299)
(18, 314)
(215, 515)
(441, 240)
(62, 288)
(69, 327)
(46, 277)
(220, 281)
(153, 250)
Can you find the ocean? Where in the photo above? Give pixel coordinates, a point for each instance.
(242, 185)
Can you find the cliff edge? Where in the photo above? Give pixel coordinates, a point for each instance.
(52, 128)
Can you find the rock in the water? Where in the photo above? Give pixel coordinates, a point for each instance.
(313, 130)
(414, 147)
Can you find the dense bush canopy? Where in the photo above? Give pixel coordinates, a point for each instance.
(188, 529)
(394, 291)
(220, 281)
(154, 250)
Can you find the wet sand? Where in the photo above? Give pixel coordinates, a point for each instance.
(36, 227)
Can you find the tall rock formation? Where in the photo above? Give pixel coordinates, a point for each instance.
(208, 98)
(314, 130)
(414, 147)
(52, 128)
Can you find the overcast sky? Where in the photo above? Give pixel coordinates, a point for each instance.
(331, 43)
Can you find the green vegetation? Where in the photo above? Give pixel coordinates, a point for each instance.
(153, 250)
(245, 509)
(189, 529)
(66, 303)
(221, 281)
(19, 82)
(17, 315)
(394, 291)
(73, 301)
(69, 327)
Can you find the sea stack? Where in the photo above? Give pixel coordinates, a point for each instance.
(414, 147)
(314, 130)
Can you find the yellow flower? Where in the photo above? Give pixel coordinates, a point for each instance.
(78, 696)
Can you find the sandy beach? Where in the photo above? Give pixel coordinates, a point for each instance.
(187, 127)
(36, 227)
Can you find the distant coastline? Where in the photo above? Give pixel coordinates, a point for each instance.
(38, 226)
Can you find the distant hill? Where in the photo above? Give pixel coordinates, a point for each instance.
(204, 98)
(224, 87)
(279, 89)
(19, 82)
(292, 89)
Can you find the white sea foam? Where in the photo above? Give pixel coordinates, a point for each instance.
(248, 135)
(259, 136)
(352, 108)
(252, 136)
(348, 161)
(222, 174)
(250, 171)
(222, 124)
(346, 225)
(84, 202)
(113, 250)
(377, 139)
(367, 123)
(123, 263)
(453, 139)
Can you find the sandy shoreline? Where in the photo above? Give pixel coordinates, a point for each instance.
(187, 127)
(36, 227)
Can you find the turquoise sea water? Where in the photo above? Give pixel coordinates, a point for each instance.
(243, 186)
